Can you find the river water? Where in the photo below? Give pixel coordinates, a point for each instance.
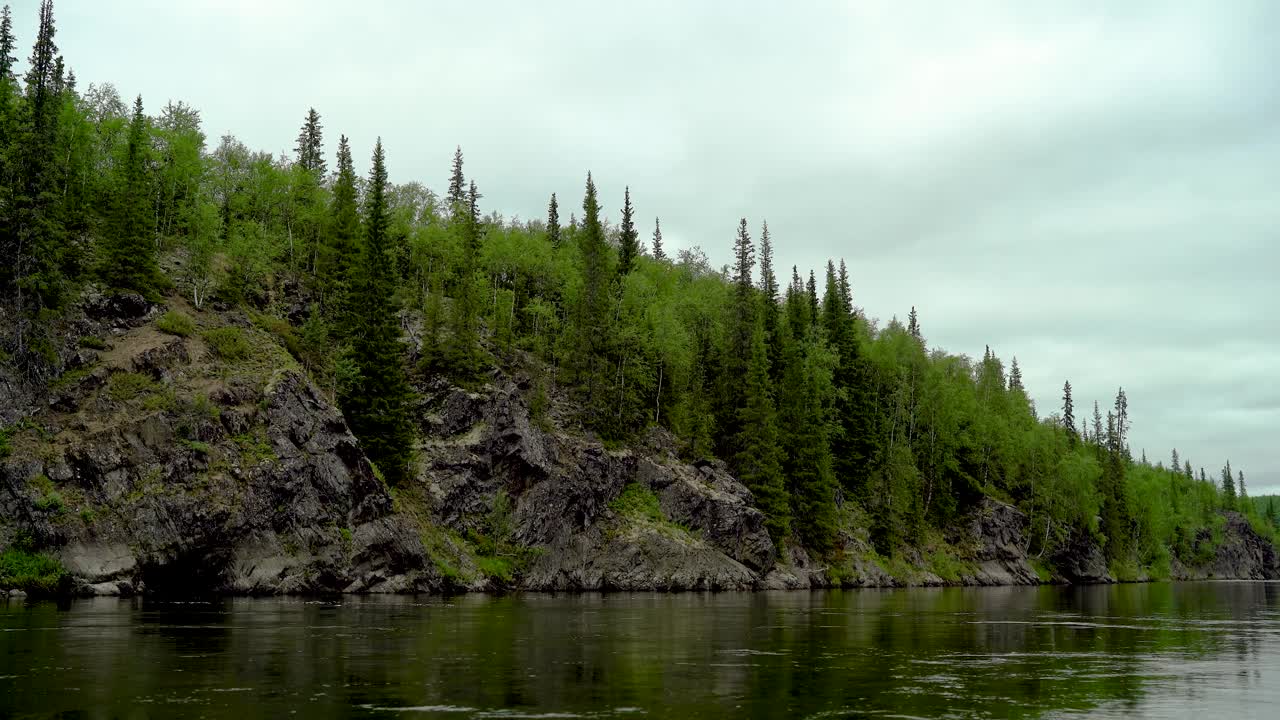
(1202, 650)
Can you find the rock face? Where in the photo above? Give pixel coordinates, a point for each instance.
(158, 470)
(561, 488)
(1001, 531)
(153, 464)
(1242, 555)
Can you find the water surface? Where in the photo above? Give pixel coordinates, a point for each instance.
(1204, 650)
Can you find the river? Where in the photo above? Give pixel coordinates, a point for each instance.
(1202, 650)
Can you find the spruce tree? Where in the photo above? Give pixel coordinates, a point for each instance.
(628, 238)
(757, 461)
(128, 259)
(1241, 492)
(1229, 486)
(339, 248)
(1068, 414)
(807, 462)
(310, 147)
(377, 402)
(8, 43)
(812, 289)
(592, 332)
(553, 222)
(913, 324)
(769, 305)
(32, 233)
(456, 196)
(659, 253)
(1015, 376)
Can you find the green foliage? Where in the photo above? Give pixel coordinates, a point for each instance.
(377, 401)
(34, 573)
(228, 342)
(93, 342)
(176, 322)
(123, 387)
(254, 447)
(638, 502)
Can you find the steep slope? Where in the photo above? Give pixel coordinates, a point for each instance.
(164, 464)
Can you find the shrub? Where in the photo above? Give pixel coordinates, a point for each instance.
(176, 322)
(35, 573)
(123, 387)
(638, 502)
(228, 342)
(93, 342)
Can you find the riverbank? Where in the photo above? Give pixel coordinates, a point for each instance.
(185, 451)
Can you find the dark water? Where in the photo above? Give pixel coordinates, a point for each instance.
(1203, 650)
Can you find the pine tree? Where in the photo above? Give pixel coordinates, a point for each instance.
(1015, 376)
(128, 249)
(913, 325)
(807, 462)
(377, 403)
(1186, 470)
(8, 43)
(1244, 495)
(1175, 464)
(758, 458)
(628, 238)
(457, 194)
(1068, 414)
(812, 289)
(553, 222)
(1229, 486)
(658, 253)
(339, 249)
(771, 311)
(310, 147)
(32, 233)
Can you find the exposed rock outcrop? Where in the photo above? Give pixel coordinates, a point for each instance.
(155, 469)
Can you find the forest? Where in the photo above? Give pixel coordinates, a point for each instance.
(828, 415)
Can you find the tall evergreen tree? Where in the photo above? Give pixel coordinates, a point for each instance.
(812, 290)
(803, 424)
(339, 247)
(377, 403)
(31, 227)
(8, 43)
(456, 196)
(128, 247)
(1015, 376)
(1068, 414)
(1241, 491)
(310, 147)
(769, 306)
(758, 457)
(1229, 485)
(553, 222)
(913, 324)
(659, 253)
(628, 238)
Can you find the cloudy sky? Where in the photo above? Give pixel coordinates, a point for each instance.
(1091, 186)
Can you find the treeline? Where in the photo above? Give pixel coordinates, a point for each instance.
(836, 423)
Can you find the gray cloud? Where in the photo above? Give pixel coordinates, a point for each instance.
(1088, 186)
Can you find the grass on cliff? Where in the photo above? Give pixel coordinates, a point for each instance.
(638, 503)
(228, 342)
(34, 573)
(176, 322)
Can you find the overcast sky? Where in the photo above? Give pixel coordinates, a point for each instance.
(1090, 186)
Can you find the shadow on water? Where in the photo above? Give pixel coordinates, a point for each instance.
(1207, 649)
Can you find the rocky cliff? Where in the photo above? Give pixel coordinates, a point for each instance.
(201, 459)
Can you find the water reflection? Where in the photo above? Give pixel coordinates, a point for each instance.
(1197, 649)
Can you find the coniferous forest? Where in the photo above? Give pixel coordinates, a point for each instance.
(832, 418)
